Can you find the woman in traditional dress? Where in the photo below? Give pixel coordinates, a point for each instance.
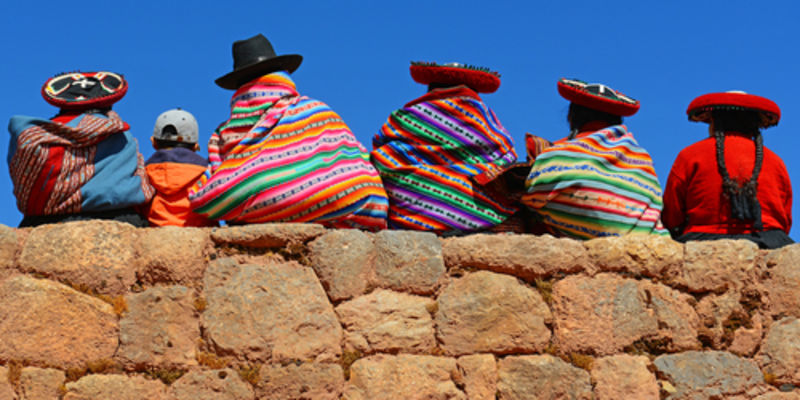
(439, 154)
(598, 181)
(730, 185)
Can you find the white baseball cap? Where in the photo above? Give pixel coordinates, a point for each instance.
(176, 125)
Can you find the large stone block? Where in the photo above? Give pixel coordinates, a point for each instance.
(408, 261)
(304, 381)
(485, 312)
(526, 256)
(639, 255)
(605, 314)
(707, 375)
(173, 254)
(478, 375)
(343, 260)
(267, 235)
(541, 378)
(383, 377)
(718, 265)
(47, 323)
(117, 387)
(277, 312)
(388, 322)
(9, 249)
(780, 352)
(623, 377)
(6, 390)
(784, 281)
(223, 384)
(93, 255)
(160, 329)
(41, 384)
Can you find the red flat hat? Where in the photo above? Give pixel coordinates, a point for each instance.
(700, 108)
(597, 97)
(479, 79)
(82, 90)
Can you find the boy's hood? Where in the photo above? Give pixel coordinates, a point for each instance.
(170, 178)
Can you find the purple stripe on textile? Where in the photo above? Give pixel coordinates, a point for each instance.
(426, 199)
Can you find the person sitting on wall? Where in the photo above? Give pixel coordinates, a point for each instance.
(173, 169)
(81, 164)
(283, 157)
(729, 185)
(439, 154)
(598, 181)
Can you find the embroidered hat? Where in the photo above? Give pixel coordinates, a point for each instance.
(81, 90)
(479, 79)
(255, 57)
(699, 109)
(597, 97)
(176, 125)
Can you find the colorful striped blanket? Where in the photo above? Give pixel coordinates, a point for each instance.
(601, 184)
(282, 157)
(89, 164)
(435, 155)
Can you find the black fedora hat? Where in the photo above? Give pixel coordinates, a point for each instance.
(254, 57)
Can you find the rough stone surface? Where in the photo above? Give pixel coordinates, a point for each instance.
(277, 312)
(117, 387)
(780, 351)
(526, 256)
(746, 340)
(95, 255)
(783, 281)
(402, 377)
(485, 312)
(478, 375)
(408, 261)
(388, 322)
(640, 255)
(160, 329)
(542, 378)
(623, 377)
(40, 384)
(9, 247)
(711, 374)
(223, 384)
(267, 235)
(605, 314)
(173, 254)
(779, 396)
(304, 381)
(44, 322)
(6, 390)
(718, 265)
(716, 312)
(343, 261)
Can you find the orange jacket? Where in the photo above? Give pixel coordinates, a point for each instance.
(172, 172)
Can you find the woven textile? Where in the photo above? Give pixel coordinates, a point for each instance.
(434, 157)
(282, 157)
(52, 165)
(601, 184)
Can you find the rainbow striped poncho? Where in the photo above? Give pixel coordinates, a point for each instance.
(601, 184)
(435, 155)
(282, 157)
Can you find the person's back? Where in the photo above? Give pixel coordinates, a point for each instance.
(173, 169)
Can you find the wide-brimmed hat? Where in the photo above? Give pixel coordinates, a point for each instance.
(479, 79)
(597, 97)
(82, 90)
(254, 57)
(700, 109)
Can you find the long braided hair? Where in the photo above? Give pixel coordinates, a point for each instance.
(743, 198)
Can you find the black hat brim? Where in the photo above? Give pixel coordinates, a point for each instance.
(234, 79)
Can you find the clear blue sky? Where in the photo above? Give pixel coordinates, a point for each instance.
(357, 56)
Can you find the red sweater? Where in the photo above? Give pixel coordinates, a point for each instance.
(694, 188)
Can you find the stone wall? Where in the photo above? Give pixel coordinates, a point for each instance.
(101, 310)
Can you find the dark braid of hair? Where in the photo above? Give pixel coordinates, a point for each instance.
(743, 199)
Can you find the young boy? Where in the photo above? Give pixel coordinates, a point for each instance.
(173, 169)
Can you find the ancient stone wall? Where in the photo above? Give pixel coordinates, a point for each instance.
(101, 310)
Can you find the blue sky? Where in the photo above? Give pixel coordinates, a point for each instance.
(357, 55)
